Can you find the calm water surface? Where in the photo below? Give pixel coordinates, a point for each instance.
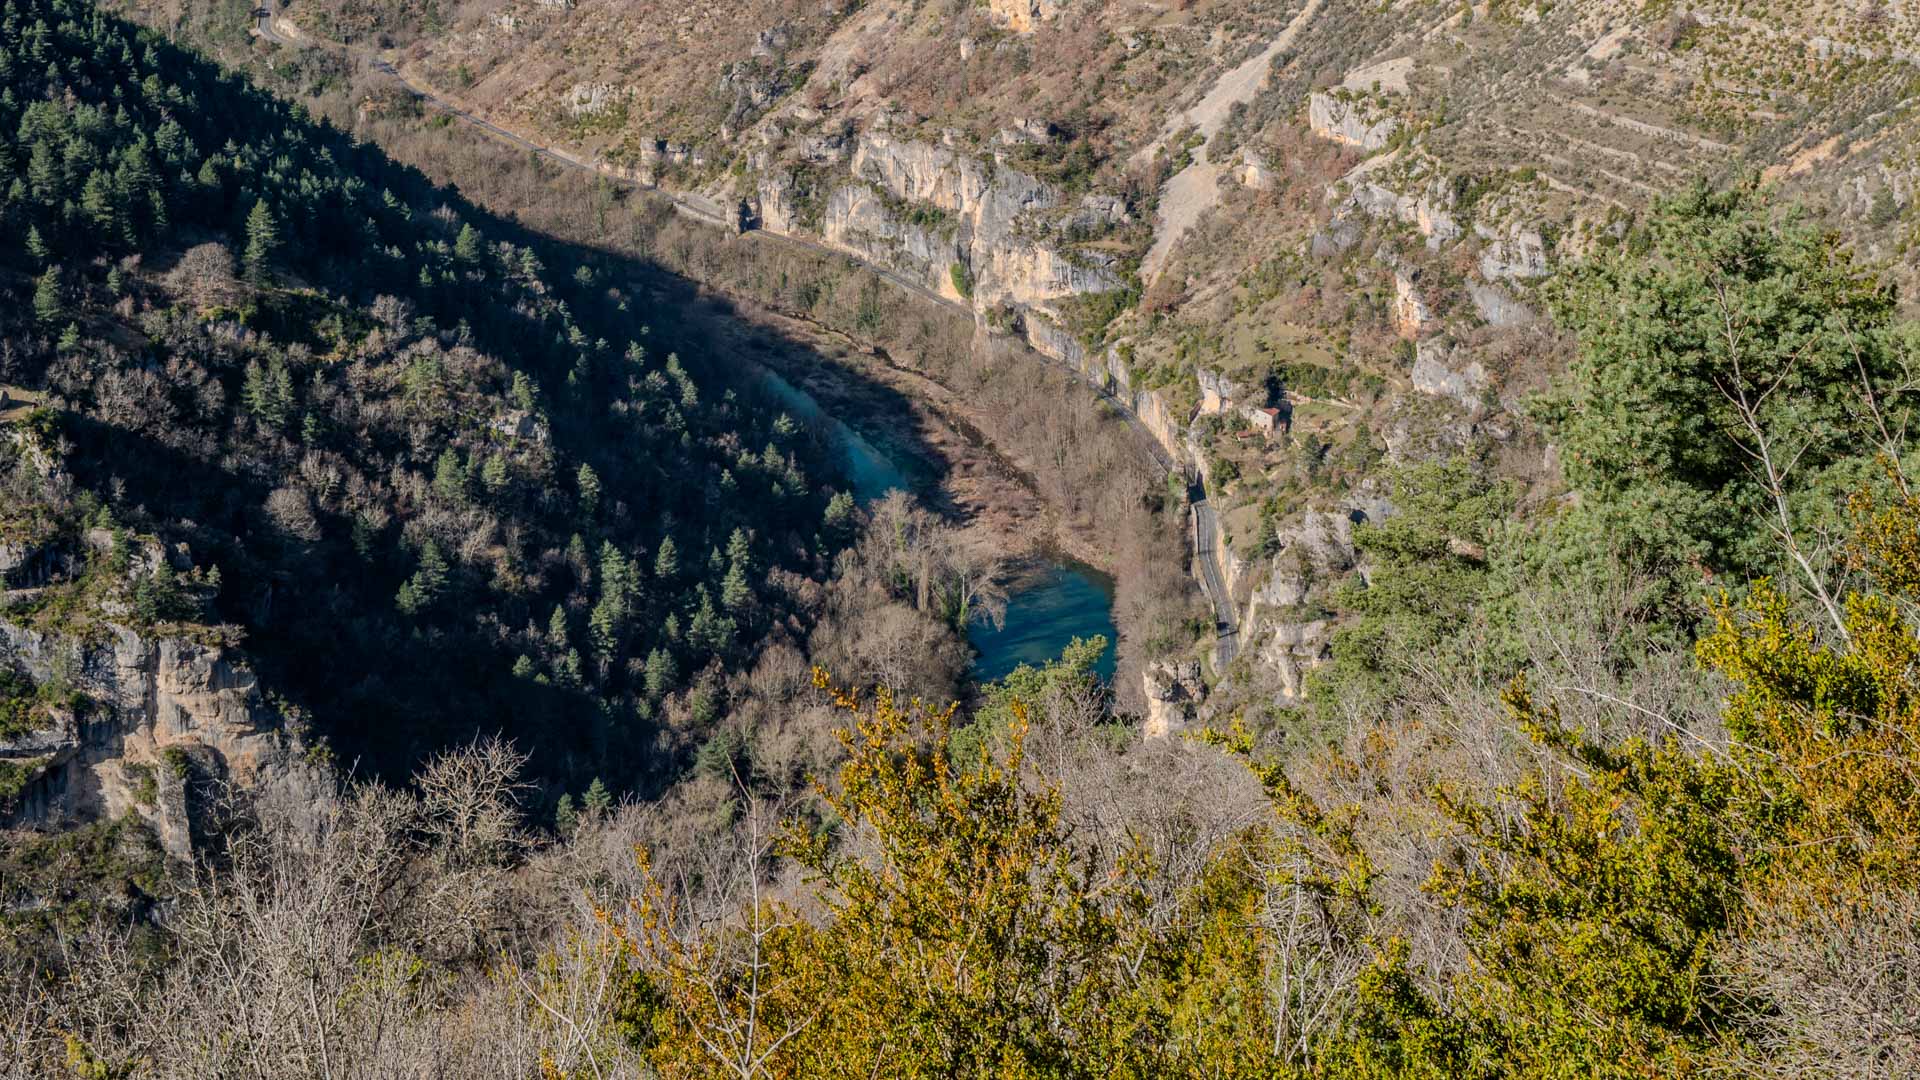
(1046, 609)
(1062, 601)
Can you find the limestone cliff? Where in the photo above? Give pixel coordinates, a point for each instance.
(111, 714)
(973, 229)
(151, 725)
(1350, 119)
(1174, 692)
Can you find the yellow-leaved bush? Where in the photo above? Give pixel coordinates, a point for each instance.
(1636, 907)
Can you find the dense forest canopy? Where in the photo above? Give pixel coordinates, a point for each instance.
(449, 477)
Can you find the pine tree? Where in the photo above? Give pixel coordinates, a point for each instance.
(740, 550)
(101, 207)
(565, 818)
(49, 299)
(597, 799)
(263, 241)
(428, 582)
(661, 672)
(710, 630)
(604, 623)
(735, 591)
(666, 564)
(267, 392)
(467, 246)
(37, 246)
(450, 478)
(494, 475)
(525, 394)
(45, 176)
(839, 511)
(589, 482)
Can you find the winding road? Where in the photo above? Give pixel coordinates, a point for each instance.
(1225, 619)
(279, 31)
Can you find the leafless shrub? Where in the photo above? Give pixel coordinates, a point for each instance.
(1837, 987)
(204, 277)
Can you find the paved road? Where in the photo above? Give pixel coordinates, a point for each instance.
(704, 210)
(1226, 619)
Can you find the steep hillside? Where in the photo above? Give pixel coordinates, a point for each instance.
(430, 474)
(1558, 715)
(1303, 243)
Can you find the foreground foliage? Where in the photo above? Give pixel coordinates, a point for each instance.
(1616, 902)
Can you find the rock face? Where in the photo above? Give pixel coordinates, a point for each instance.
(165, 720)
(1421, 197)
(1437, 371)
(1253, 172)
(1315, 551)
(1313, 555)
(1022, 16)
(1498, 306)
(1219, 394)
(1173, 691)
(1411, 314)
(1350, 120)
(1516, 252)
(924, 209)
(1294, 648)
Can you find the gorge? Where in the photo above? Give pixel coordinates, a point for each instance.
(663, 539)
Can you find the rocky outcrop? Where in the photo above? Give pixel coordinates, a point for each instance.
(921, 209)
(1338, 237)
(1291, 649)
(1219, 394)
(1410, 191)
(1253, 172)
(1283, 620)
(1022, 16)
(1518, 251)
(1438, 372)
(1174, 691)
(158, 724)
(1351, 120)
(1497, 306)
(1412, 316)
(858, 220)
(1312, 554)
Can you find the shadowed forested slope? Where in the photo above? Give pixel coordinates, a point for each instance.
(449, 479)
